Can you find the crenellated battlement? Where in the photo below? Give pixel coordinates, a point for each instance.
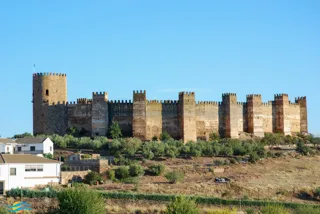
(294, 104)
(208, 103)
(49, 74)
(269, 103)
(228, 94)
(139, 92)
(254, 95)
(241, 103)
(280, 96)
(300, 98)
(101, 93)
(120, 101)
(84, 101)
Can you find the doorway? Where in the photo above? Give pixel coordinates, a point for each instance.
(1, 187)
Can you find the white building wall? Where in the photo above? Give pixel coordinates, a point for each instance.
(40, 148)
(7, 148)
(50, 173)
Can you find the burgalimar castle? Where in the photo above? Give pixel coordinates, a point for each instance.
(183, 118)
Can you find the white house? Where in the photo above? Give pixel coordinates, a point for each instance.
(25, 170)
(34, 146)
(7, 146)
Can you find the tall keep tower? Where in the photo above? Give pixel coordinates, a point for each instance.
(48, 88)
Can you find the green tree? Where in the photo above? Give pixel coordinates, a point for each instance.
(115, 131)
(136, 170)
(157, 169)
(174, 176)
(182, 205)
(92, 178)
(130, 146)
(122, 172)
(80, 199)
(26, 134)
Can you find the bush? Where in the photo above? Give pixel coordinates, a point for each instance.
(316, 192)
(233, 161)
(157, 169)
(92, 178)
(111, 175)
(130, 180)
(122, 172)
(174, 176)
(80, 199)
(274, 209)
(224, 211)
(115, 131)
(154, 138)
(182, 205)
(307, 210)
(3, 210)
(48, 155)
(136, 170)
(253, 157)
(165, 136)
(218, 162)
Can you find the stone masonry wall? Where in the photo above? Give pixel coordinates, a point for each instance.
(154, 119)
(207, 116)
(121, 112)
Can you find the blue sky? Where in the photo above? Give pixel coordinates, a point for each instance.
(210, 47)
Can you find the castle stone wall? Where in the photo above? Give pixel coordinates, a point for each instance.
(207, 117)
(182, 119)
(121, 112)
(154, 119)
(80, 116)
(171, 119)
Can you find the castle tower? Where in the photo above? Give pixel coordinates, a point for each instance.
(188, 127)
(48, 88)
(139, 121)
(254, 115)
(302, 101)
(229, 103)
(282, 122)
(100, 114)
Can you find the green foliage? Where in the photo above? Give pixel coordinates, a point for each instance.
(48, 155)
(303, 149)
(122, 172)
(274, 209)
(3, 210)
(254, 157)
(92, 178)
(223, 211)
(218, 162)
(130, 146)
(250, 211)
(182, 205)
(306, 210)
(26, 134)
(156, 170)
(111, 174)
(214, 136)
(174, 176)
(17, 192)
(130, 180)
(165, 136)
(80, 199)
(115, 131)
(154, 138)
(136, 170)
(316, 192)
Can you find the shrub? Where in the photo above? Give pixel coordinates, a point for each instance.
(115, 131)
(174, 176)
(48, 155)
(157, 169)
(111, 175)
(122, 172)
(250, 211)
(130, 180)
(182, 205)
(154, 138)
(316, 192)
(274, 209)
(130, 146)
(92, 177)
(3, 210)
(303, 149)
(136, 170)
(226, 162)
(165, 136)
(218, 162)
(233, 161)
(80, 199)
(253, 157)
(224, 211)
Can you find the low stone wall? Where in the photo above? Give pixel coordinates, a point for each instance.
(97, 165)
(67, 177)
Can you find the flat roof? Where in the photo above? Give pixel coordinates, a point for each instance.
(24, 158)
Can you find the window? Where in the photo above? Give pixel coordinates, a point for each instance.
(40, 168)
(50, 148)
(47, 92)
(32, 168)
(32, 148)
(19, 149)
(8, 149)
(13, 171)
